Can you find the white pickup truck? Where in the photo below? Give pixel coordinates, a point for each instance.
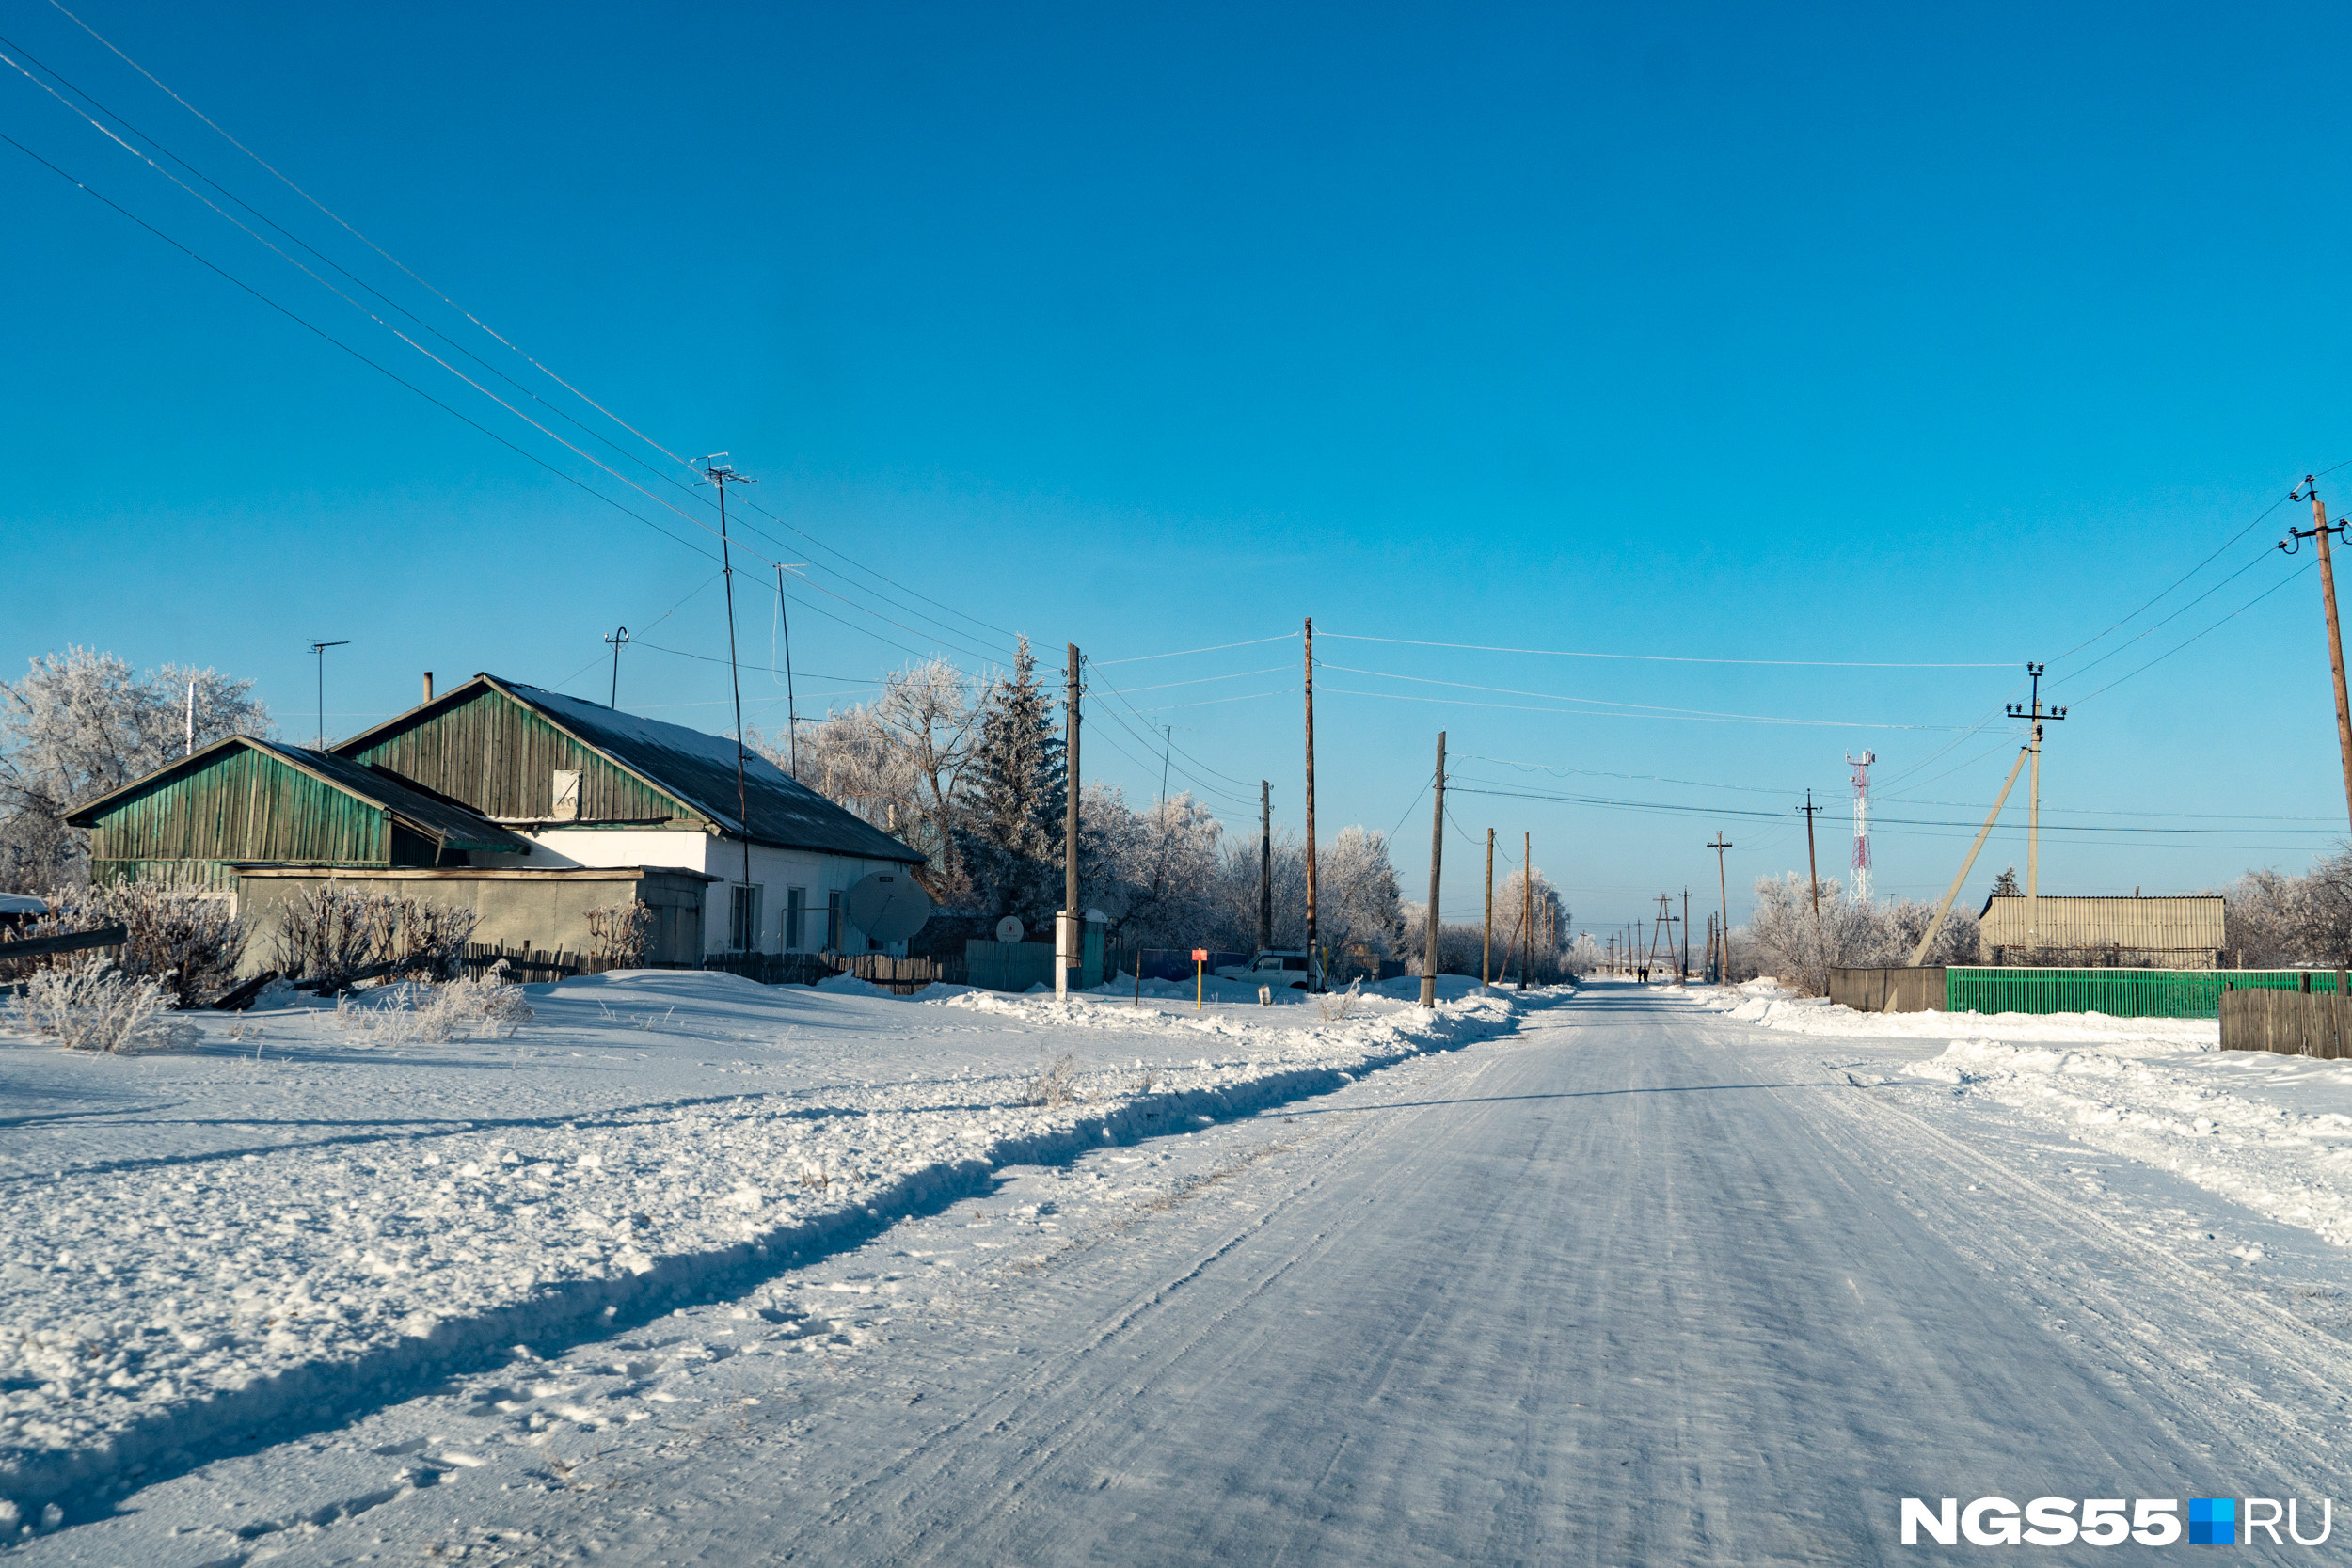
(1274, 966)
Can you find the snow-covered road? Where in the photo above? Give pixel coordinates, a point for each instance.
(1637, 1283)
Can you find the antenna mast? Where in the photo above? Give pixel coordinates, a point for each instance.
(1858, 888)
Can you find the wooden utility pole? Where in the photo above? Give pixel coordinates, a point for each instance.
(1723, 889)
(1487, 947)
(2319, 531)
(1265, 865)
(1068, 940)
(1314, 969)
(1686, 936)
(1432, 924)
(1813, 869)
(1920, 955)
(2037, 714)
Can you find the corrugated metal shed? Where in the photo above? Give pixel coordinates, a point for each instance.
(2135, 925)
(497, 745)
(241, 798)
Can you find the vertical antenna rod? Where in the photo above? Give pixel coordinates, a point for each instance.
(719, 475)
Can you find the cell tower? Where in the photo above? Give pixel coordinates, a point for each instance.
(1859, 887)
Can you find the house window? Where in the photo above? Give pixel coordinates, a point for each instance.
(833, 921)
(566, 796)
(795, 918)
(743, 919)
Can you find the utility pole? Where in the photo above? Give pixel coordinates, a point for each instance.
(1723, 889)
(1067, 946)
(719, 476)
(189, 749)
(318, 651)
(1686, 936)
(1436, 859)
(1314, 969)
(1487, 946)
(1167, 739)
(1527, 906)
(1813, 869)
(2033, 811)
(613, 700)
(2319, 531)
(792, 705)
(1265, 865)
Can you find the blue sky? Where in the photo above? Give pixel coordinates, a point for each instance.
(1810, 334)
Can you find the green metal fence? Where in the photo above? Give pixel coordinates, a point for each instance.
(2117, 992)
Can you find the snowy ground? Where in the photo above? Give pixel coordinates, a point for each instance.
(1627, 1278)
(256, 1235)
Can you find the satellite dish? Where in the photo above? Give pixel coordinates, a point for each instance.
(888, 905)
(1010, 929)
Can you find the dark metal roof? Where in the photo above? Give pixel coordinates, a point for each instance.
(694, 767)
(448, 823)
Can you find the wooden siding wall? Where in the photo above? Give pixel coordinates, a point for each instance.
(1888, 991)
(2293, 1023)
(501, 759)
(247, 806)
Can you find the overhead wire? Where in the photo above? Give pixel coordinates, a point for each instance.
(1661, 658)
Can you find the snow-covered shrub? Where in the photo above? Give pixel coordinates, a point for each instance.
(186, 938)
(1783, 938)
(617, 935)
(92, 1005)
(1337, 1008)
(332, 932)
(1054, 1083)
(415, 1013)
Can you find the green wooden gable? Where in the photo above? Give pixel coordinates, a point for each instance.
(500, 758)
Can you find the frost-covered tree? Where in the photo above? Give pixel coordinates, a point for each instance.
(1783, 939)
(82, 723)
(899, 762)
(1356, 899)
(2277, 921)
(1010, 844)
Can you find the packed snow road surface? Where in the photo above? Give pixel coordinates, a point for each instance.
(1636, 1283)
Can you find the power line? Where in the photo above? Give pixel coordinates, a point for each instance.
(1670, 659)
(1218, 647)
(2208, 631)
(1663, 714)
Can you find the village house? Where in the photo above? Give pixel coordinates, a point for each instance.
(526, 805)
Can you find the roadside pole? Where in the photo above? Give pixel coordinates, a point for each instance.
(1432, 924)
(1486, 950)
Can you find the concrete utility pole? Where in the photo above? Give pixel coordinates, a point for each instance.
(1527, 906)
(1314, 969)
(614, 699)
(1813, 869)
(1487, 946)
(1067, 946)
(1265, 865)
(1723, 889)
(318, 651)
(1432, 924)
(719, 476)
(2033, 817)
(2319, 531)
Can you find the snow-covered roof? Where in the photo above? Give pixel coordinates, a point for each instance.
(699, 768)
(695, 768)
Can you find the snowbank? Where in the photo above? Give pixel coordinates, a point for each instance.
(1766, 1004)
(2271, 1132)
(295, 1216)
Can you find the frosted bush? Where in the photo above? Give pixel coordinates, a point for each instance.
(617, 934)
(332, 932)
(94, 1007)
(412, 1013)
(1054, 1083)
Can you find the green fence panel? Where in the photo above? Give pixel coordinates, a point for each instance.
(2117, 992)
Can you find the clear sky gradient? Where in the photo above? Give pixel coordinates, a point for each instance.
(1742, 333)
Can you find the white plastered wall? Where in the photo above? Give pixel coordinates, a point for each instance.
(773, 871)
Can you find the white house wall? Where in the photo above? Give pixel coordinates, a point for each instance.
(773, 871)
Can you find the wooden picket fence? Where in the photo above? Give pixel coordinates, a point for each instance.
(2290, 1022)
(525, 965)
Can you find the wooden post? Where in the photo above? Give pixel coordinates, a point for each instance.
(1315, 979)
(1067, 945)
(1265, 863)
(1486, 948)
(1436, 859)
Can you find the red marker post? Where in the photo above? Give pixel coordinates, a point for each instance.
(1200, 959)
